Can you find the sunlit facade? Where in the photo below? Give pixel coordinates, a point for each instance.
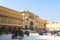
(12, 18)
(53, 26)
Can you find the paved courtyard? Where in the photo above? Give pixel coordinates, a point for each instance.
(33, 36)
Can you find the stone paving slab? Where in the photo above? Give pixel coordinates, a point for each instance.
(32, 36)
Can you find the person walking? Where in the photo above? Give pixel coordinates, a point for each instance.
(20, 33)
(27, 33)
(14, 33)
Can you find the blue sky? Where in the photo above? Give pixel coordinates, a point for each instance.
(47, 9)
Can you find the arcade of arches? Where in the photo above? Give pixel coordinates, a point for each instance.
(10, 18)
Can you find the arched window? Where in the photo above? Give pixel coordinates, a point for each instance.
(31, 23)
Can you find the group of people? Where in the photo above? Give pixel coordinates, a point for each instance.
(5, 30)
(19, 32)
(15, 32)
(47, 32)
(42, 31)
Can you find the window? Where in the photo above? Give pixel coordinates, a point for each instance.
(9, 21)
(3, 20)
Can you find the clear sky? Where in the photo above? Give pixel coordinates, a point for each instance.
(47, 9)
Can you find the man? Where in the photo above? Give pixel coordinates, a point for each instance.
(20, 33)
